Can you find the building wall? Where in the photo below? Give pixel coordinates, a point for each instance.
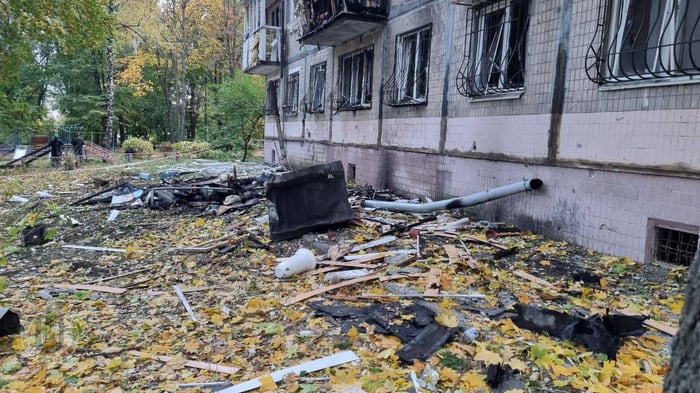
(614, 158)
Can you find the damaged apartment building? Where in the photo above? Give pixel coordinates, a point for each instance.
(440, 98)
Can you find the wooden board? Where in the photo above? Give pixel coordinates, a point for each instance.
(432, 284)
(353, 264)
(327, 288)
(660, 326)
(190, 363)
(86, 287)
(457, 256)
(535, 279)
(483, 241)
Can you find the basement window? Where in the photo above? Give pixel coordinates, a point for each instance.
(409, 84)
(291, 105)
(673, 243)
(355, 80)
(645, 40)
(495, 61)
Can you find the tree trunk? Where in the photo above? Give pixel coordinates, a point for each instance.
(109, 126)
(192, 112)
(685, 358)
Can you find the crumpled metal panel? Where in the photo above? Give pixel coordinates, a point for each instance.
(307, 200)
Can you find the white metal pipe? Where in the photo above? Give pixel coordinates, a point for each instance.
(465, 201)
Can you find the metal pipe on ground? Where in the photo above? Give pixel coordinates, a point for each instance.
(465, 201)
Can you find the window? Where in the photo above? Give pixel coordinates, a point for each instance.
(291, 104)
(355, 80)
(271, 106)
(409, 84)
(495, 61)
(273, 15)
(645, 39)
(317, 89)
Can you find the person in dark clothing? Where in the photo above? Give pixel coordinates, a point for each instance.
(78, 144)
(56, 150)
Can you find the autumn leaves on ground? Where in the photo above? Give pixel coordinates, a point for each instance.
(83, 341)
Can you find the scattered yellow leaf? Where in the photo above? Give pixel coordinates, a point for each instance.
(545, 262)
(447, 319)
(488, 357)
(352, 333)
(267, 383)
(607, 372)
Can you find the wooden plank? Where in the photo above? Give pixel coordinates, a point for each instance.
(118, 276)
(484, 241)
(458, 256)
(452, 252)
(86, 287)
(377, 255)
(190, 363)
(374, 243)
(660, 326)
(318, 291)
(535, 279)
(432, 284)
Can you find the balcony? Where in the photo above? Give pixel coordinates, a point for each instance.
(332, 22)
(262, 50)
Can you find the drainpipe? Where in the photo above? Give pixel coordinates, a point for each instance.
(466, 201)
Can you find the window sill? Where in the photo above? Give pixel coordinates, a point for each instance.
(407, 103)
(512, 95)
(627, 85)
(355, 108)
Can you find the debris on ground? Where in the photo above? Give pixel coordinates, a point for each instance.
(183, 289)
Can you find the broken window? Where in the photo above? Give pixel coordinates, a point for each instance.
(317, 89)
(409, 84)
(291, 105)
(495, 61)
(355, 80)
(645, 39)
(675, 246)
(271, 106)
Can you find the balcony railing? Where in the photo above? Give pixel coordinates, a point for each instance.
(331, 22)
(262, 50)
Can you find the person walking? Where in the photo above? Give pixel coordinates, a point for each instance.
(78, 144)
(56, 150)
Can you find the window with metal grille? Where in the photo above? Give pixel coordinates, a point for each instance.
(317, 89)
(291, 104)
(644, 40)
(355, 80)
(271, 106)
(409, 83)
(674, 246)
(494, 59)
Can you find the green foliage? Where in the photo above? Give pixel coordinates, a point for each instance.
(138, 145)
(449, 359)
(186, 147)
(237, 109)
(32, 34)
(219, 155)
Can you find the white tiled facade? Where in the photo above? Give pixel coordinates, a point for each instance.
(624, 154)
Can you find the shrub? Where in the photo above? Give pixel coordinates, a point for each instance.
(165, 147)
(192, 148)
(138, 145)
(219, 155)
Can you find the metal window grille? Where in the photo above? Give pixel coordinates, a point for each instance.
(291, 104)
(355, 80)
(314, 100)
(494, 60)
(409, 82)
(645, 39)
(272, 106)
(673, 246)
